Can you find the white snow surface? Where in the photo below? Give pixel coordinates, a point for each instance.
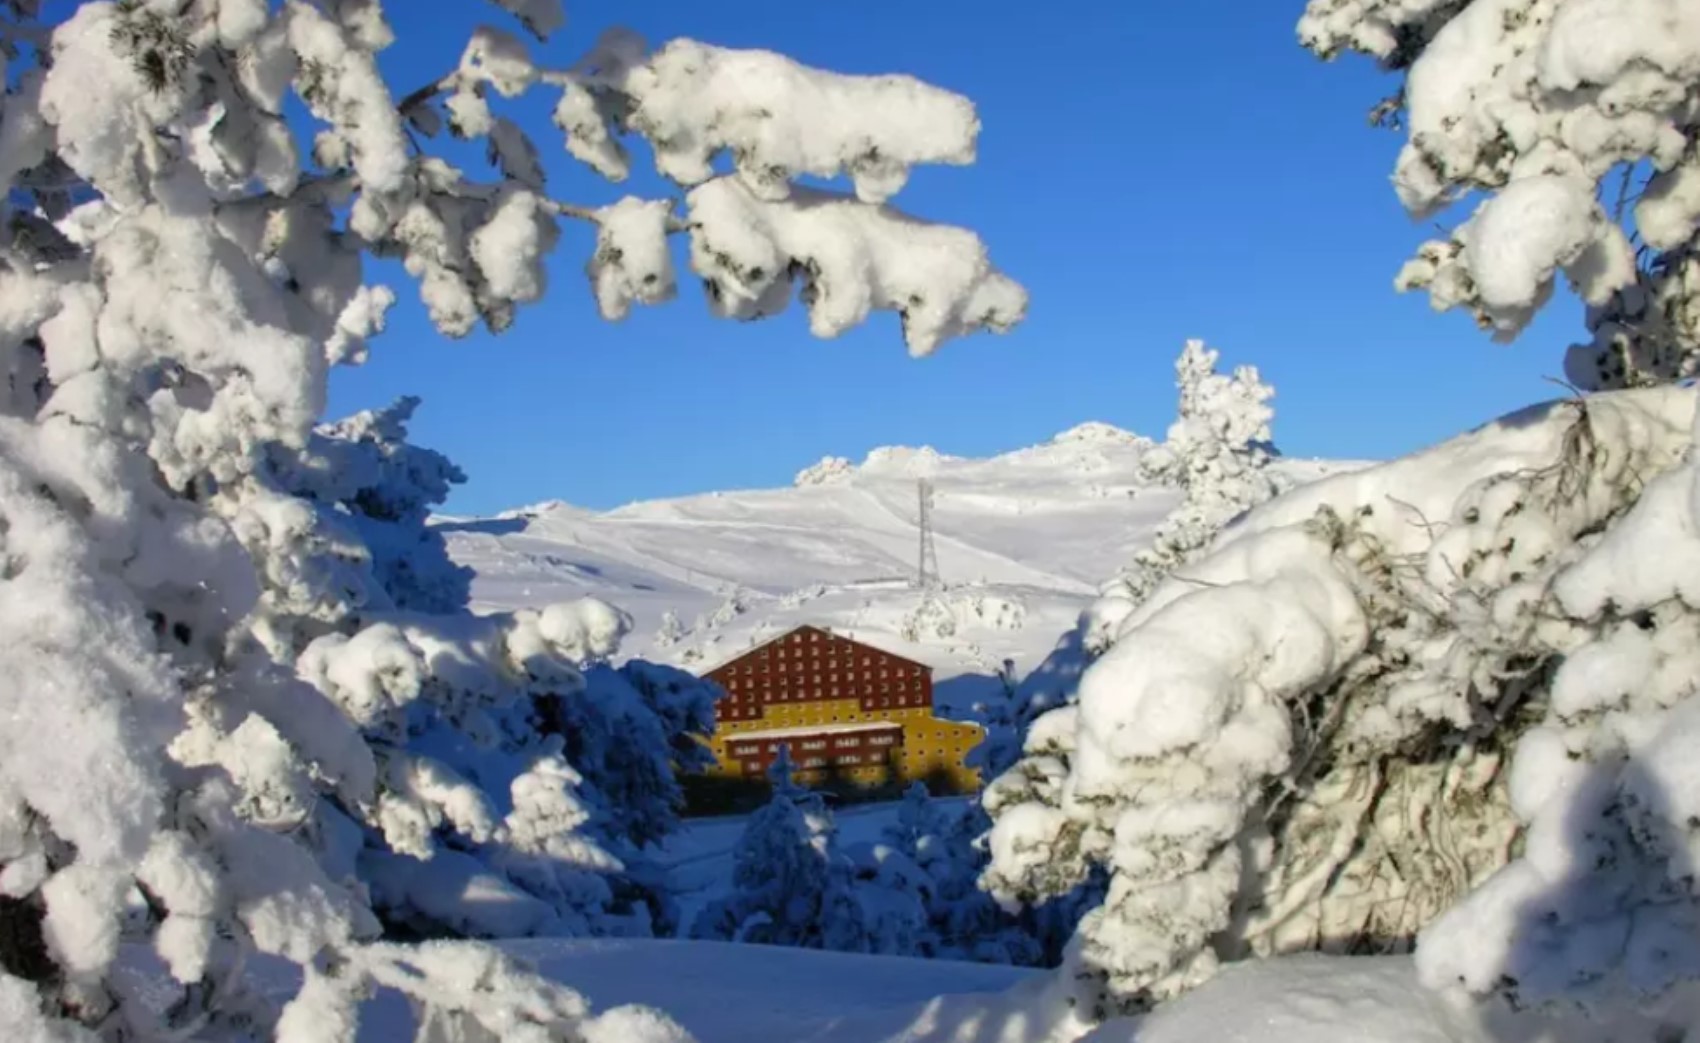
(1023, 538)
(729, 993)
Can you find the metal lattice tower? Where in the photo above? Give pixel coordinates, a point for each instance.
(927, 569)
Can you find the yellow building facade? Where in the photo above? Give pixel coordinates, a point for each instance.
(843, 708)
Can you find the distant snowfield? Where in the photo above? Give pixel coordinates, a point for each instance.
(1023, 539)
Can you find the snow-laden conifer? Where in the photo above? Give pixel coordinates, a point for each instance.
(246, 721)
(791, 884)
(1434, 704)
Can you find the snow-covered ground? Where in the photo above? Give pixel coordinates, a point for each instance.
(728, 993)
(1023, 540)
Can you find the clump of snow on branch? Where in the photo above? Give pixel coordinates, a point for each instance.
(632, 261)
(1553, 109)
(780, 119)
(848, 259)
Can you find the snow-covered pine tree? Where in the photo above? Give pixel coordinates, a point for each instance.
(931, 849)
(1217, 453)
(1439, 702)
(226, 683)
(362, 472)
(670, 632)
(630, 736)
(791, 885)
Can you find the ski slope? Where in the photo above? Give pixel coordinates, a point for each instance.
(1023, 541)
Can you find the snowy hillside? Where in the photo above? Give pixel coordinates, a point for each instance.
(1023, 540)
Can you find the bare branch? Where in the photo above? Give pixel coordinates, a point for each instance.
(423, 94)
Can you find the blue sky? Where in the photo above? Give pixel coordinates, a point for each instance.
(1150, 172)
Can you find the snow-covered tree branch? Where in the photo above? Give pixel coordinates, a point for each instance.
(1549, 110)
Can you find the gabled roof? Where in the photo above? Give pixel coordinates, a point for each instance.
(807, 628)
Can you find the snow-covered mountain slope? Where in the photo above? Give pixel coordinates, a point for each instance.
(1023, 539)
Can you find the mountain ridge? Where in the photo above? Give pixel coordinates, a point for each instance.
(1024, 539)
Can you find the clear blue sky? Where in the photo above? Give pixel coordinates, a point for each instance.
(1150, 172)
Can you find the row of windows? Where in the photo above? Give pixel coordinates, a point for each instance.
(734, 684)
(848, 742)
(808, 695)
(760, 669)
(752, 765)
(782, 714)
